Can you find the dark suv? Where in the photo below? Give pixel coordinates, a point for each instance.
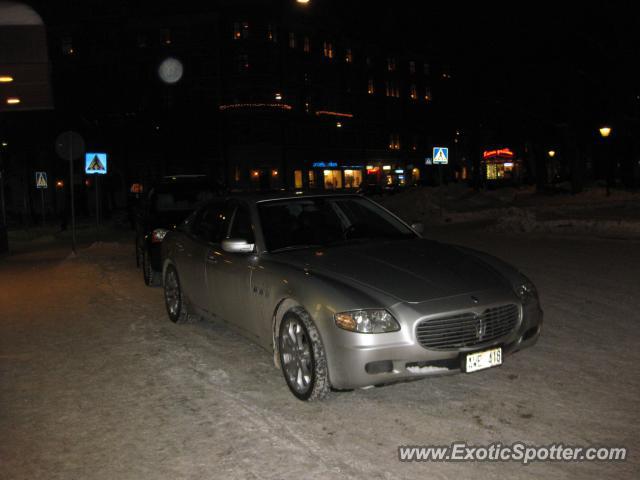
(166, 205)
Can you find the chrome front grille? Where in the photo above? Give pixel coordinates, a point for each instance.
(468, 329)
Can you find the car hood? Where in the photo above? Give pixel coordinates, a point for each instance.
(409, 270)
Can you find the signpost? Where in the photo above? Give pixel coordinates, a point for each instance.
(96, 164)
(69, 146)
(42, 185)
(440, 158)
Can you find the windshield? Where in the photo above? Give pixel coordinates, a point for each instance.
(180, 198)
(322, 221)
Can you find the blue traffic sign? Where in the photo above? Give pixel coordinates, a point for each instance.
(440, 155)
(41, 180)
(95, 163)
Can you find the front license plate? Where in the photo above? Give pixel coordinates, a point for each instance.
(481, 360)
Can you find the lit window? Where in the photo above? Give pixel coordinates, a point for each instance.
(307, 45)
(271, 33)
(394, 141)
(292, 40)
(166, 36)
(312, 179)
(67, 46)
(243, 62)
(412, 67)
(327, 49)
(391, 89)
(297, 178)
(352, 178)
(413, 92)
(348, 56)
(391, 64)
(240, 30)
(332, 179)
(371, 89)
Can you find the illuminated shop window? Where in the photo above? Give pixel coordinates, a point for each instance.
(332, 179)
(352, 178)
(297, 178)
(415, 175)
(312, 179)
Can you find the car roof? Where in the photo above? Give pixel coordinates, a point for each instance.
(259, 197)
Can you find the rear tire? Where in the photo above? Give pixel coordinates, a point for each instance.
(174, 299)
(302, 356)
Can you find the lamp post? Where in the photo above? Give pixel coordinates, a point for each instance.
(605, 133)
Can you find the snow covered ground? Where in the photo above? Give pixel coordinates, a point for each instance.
(96, 383)
(522, 209)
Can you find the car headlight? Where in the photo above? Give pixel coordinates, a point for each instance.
(367, 321)
(527, 291)
(158, 235)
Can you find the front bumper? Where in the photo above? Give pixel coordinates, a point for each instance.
(361, 360)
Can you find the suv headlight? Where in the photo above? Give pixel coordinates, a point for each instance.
(367, 321)
(527, 291)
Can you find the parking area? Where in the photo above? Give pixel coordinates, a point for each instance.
(96, 382)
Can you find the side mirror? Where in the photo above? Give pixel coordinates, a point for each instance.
(418, 227)
(237, 245)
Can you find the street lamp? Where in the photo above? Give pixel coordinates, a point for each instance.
(304, 2)
(170, 71)
(552, 153)
(605, 131)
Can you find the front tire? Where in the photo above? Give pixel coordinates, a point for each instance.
(174, 298)
(302, 356)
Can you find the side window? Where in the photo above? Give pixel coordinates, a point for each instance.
(212, 223)
(242, 227)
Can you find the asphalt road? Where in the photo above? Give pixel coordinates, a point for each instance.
(96, 383)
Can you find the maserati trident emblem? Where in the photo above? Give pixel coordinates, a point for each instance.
(481, 328)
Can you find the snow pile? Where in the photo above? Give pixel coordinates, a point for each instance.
(521, 209)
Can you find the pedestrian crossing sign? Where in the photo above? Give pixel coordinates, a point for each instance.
(440, 155)
(41, 180)
(95, 163)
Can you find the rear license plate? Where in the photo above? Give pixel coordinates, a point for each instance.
(481, 360)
